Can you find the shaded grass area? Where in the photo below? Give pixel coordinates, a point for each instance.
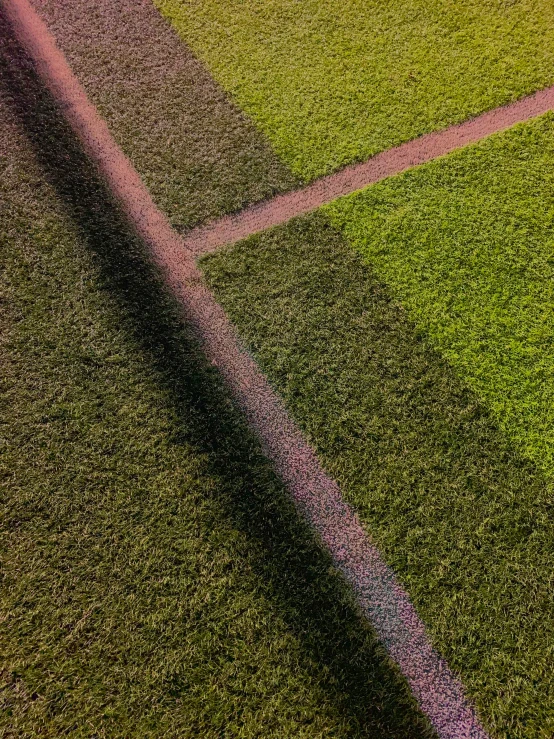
(155, 579)
(464, 520)
(333, 82)
(467, 243)
(198, 154)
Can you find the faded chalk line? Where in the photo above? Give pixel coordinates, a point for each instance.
(383, 601)
(228, 229)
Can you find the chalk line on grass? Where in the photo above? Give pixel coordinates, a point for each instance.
(382, 600)
(281, 208)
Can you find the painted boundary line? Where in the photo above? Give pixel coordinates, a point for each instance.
(383, 601)
(278, 210)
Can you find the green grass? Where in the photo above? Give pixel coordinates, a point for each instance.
(467, 244)
(332, 82)
(155, 580)
(462, 517)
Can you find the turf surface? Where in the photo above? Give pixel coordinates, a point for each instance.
(467, 243)
(154, 579)
(331, 82)
(461, 516)
(197, 153)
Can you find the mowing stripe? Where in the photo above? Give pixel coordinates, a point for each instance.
(383, 601)
(258, 217)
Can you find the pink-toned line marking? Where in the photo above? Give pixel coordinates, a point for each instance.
(258, 217)
(381, 598)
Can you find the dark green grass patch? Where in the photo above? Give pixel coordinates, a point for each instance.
(333, 81)
(467, 244)
(198, 154)
(464, 520)
(154, 579)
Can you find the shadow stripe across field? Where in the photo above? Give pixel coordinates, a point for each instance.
(156, 577)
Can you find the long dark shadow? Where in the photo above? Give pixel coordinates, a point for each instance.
(313, 601)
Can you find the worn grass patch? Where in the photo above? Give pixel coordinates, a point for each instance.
(332, 82)
(467, 244)
(155, 580)
(464, 520)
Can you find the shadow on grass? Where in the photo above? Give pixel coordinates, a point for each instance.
(312, 600)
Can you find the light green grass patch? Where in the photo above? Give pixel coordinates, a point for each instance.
(467, 244)
(332, 82)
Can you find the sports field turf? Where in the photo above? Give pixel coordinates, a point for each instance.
(155, 580)
(421, 369)
(332, 82)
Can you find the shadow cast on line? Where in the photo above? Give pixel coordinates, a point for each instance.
(313, 601)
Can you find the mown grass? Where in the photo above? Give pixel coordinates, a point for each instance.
(462, 517)
(332, 82)
(466, 243)
(155, 580)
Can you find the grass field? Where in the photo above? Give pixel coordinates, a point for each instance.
(155, 580)
(332, 82)
(420, 368)
(155, 577)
